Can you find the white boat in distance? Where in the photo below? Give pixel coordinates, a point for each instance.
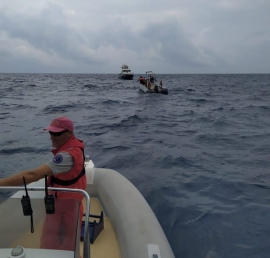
(126, 73)
(121, 223)
(149, 84)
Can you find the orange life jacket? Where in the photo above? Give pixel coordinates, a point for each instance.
(75, 178)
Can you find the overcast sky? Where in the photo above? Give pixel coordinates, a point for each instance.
(165, 36)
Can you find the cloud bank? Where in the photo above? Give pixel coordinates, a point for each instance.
(206, 36)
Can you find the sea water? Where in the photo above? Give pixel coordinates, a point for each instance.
(200, 155)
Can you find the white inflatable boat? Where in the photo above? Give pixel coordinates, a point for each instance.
(121, 223)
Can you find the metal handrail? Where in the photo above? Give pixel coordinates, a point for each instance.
(86, 253)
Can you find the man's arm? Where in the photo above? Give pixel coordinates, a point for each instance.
(31, 175)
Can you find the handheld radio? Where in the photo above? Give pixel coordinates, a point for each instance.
(48, 200)
(26, 203)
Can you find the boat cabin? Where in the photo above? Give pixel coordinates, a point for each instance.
(125, 69)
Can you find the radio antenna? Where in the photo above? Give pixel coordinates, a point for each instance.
(25, 187)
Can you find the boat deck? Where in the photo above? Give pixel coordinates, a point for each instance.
(106, 244)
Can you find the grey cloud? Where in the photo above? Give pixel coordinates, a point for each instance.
(170, 36)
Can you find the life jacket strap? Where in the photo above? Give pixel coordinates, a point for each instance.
(58, 181)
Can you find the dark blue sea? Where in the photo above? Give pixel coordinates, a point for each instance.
(200, 155)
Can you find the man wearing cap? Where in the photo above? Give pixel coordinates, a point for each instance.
(66, 169)
(67, 163)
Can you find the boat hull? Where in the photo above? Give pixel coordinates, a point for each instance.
(137, 228)
(126, 76)
(153, 89)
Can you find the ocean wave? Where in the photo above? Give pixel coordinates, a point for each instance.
(28, 150)
(56, 109)
(91, 86)
(16, 106)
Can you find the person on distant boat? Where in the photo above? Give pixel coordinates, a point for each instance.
(141, 80)
(148, 84)
(66, 169)
(152, 80)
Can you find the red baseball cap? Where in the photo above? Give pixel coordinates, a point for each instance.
(60, 124)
